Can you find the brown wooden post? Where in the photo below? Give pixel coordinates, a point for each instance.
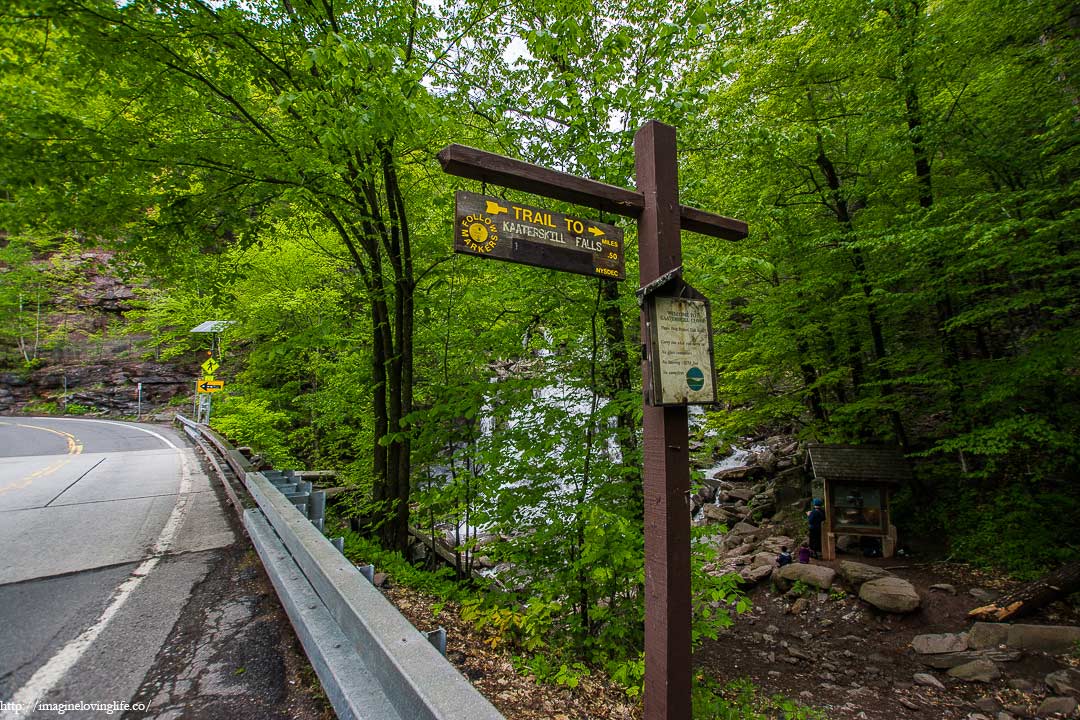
(667, 461)
(665, 433)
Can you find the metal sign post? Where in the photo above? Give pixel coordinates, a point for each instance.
(667, 461)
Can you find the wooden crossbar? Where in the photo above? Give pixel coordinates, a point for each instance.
(469, 162)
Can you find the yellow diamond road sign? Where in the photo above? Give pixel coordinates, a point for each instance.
(209, 385)
(210, 366)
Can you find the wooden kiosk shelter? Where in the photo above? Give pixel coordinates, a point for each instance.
(858, 481)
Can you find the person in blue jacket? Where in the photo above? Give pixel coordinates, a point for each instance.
(816, 518)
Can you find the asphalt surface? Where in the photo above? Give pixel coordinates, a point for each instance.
(105, 530)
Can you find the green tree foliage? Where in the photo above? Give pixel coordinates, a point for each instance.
(909, 171)
(910, 174)
(22, 294)
(231, 114)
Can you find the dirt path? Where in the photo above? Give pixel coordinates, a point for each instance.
(837, 655)
(848, 660)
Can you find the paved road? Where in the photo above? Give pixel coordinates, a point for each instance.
(105, 528)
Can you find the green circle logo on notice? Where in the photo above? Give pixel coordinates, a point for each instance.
(695, 379)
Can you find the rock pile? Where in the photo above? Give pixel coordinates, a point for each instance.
(769, 480)
(978, 656)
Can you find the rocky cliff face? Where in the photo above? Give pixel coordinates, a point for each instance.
(108, 388)
(81, 356)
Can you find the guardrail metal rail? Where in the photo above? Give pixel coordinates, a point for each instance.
(372, 663)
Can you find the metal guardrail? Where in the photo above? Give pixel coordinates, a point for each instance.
(372, 663)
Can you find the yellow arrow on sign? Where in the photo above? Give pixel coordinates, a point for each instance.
(495, 208)
(596, 231)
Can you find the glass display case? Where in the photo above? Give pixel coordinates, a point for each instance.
(857, 508)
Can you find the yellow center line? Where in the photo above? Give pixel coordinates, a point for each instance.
(74, 447)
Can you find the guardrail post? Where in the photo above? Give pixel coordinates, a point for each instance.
(438, 639)
(318, 505)
(367, 571)
(339, 543)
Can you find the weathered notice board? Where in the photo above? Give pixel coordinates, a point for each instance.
(680, 351)
(496, 228)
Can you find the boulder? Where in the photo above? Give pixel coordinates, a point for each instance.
(744, 528)
(764, 503)
(891, 594)
(776, 542)
(817, 575)
(928, 680)
(855, 574)
(713, 483)
(740, 474)
(937, 644)
(1053, 639)
(743, 549)
(733, 494)
(1064, 682)
(987, 635)
(944, 661)
(766, 459)
(767, 559)
(944, 587)
(717, 514)
(976, 671)
(1063, 706)
(756, 573)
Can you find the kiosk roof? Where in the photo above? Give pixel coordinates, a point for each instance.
(860, 463)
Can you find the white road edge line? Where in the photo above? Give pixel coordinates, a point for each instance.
(52, 672)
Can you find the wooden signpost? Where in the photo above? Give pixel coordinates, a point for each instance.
(660, 217)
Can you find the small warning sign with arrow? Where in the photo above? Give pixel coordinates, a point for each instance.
(209, 385)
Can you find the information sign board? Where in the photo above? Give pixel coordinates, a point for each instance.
(680, 351)
(497, 228)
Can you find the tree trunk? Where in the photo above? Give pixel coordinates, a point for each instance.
(618, 382)
(842, 211)
(1059, 584)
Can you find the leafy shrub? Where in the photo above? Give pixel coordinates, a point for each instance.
(439, 582)
(800, 589)
(251, 421)
(742, 700)
(43, 407)
(1015, 526)
(1017, 530)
